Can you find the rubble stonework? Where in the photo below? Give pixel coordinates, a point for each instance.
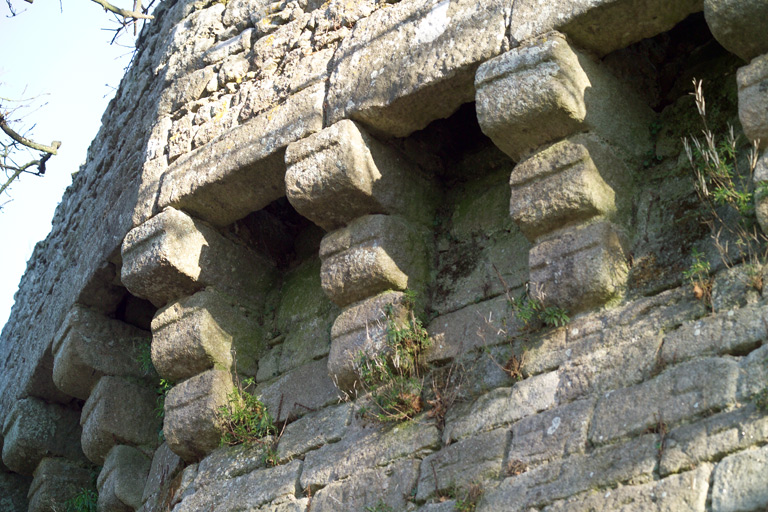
(280, 188)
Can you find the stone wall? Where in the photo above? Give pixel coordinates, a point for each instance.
(276, 185)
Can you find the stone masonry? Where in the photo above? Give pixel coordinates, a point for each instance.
(280, 188)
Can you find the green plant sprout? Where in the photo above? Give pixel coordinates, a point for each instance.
(83, 501)
(531, 311)
(393, 380)
(246, 420)
(725, 191)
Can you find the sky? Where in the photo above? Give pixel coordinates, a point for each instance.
(60, 54)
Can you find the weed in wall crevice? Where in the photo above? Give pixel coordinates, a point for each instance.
(723, 183)
(394, 381)
(245, 420)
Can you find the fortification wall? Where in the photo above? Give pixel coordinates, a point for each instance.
(443, 241)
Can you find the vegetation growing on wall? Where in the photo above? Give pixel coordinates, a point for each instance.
(723, 182)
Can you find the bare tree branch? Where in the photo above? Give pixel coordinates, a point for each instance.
(123, 12)
(55, 145)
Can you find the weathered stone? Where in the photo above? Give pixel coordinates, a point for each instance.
(412, 63)
(13, 491)
(390, 485)
(740, 26)
(599, 25)
(473, 459)
(686, 491)
(738, 482)
(313, 431)
(90, 345)
(754, 373)
(55, 481)
(479, 325)
(304, 389)
(566, 183)
(554, 434)
(242, 170)
(361, 329)
(712, 438)
(731, 332)
(342, 173)
(34, 429)
(631, 462)
(579, 268)
(206, 330)
(675, 395)
(241, 13)
(469, 267)
(118, 412)
(368, 448)
(503, 406)
(614, 359)
(753, 103)
(547, 90)
(245, 492)
(233, 45)
(164, 469)
(121, 481)
(173, 255)
(229, 462)
(373, 254)
(192, 427)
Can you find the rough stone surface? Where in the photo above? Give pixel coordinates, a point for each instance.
(360, 328)
(191, 426)
(725, 433)
(462, 463)
(628, 462)
(390, 485)
(367, 448)
(90, 345)
(739, 26)
(210, 75)
(13, 491)
(373, 254)
(580, 268)
(566, 183)
(207, 330)
(476, 326)
(546, 90)
(118, 412)
(551, 435)
(314, 430)
(246, 492)
(409, 64)
(753, 105)
(503, 406)
(342, 173)
(675, 395)
(55, 481)
(735, 331)
(164, 469)
(172, 256)
(229, 462)
(121, 480)
(599, 25)
(304, 389)
(738, 482)
(34, 430)
(210, 181)
(686, 491)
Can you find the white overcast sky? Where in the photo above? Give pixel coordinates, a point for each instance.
(60, 53)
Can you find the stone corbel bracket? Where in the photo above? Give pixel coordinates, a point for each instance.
(375, 204)
(572, 127)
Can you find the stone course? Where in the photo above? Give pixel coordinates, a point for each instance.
(277, 183)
